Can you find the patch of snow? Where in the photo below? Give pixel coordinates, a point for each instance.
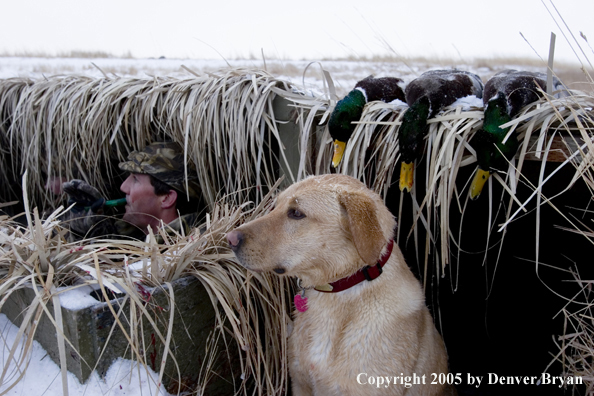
(43, 377)
(398, 103)
(467, 102)
(76, 298)
(139, 265)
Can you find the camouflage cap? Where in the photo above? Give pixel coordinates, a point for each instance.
(165, 162)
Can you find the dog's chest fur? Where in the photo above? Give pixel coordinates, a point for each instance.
(335, 331)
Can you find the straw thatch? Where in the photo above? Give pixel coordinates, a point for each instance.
(80, 127)
(576, 344)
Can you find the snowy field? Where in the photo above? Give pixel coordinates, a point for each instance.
(305, 74)
(43, 376)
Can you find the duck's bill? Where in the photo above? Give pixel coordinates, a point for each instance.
(338, 152)
(480, 178)
(407, 172)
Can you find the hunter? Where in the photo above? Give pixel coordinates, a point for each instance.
(158, 194)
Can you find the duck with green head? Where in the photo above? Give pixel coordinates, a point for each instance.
(350, 108)
(426, 96)
(506, 93)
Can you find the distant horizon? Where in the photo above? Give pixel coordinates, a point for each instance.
(81, 54)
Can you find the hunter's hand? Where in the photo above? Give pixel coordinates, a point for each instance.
(83, 195)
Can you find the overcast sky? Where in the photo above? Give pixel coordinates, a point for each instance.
(302, 29)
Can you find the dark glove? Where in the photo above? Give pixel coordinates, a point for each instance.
(86, 218)
(84, 196)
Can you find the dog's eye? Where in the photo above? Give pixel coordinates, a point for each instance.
(296, 214)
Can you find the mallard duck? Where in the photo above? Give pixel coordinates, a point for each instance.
(350, 108)
(426, 96)
(506, 93)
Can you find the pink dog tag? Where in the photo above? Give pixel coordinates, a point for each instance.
(300, 302)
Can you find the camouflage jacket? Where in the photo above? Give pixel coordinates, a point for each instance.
(88, 225)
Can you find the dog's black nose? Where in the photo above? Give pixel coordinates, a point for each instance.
(235, 238)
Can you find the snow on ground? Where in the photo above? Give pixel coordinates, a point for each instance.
(40, 67)
(305, 74)
(43, 377)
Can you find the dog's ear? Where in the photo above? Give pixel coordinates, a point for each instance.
(364, 224)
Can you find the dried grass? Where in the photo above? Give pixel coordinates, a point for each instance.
(576, 345)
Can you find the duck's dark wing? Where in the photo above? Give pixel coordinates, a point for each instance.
(443, 87)
(385, 89)
(519, 87)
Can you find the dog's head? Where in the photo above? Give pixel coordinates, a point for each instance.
(321, 229)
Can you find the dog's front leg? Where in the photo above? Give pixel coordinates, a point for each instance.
(300, 381)
(301, 388)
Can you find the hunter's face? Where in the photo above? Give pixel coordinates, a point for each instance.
(142, 204)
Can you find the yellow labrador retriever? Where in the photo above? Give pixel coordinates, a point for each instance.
(361, 325)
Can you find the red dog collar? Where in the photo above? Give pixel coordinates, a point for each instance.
(366, 273)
